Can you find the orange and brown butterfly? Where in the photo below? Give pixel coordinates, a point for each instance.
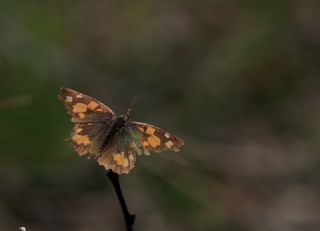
(113, 140)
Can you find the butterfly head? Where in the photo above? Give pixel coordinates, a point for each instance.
(126, 115)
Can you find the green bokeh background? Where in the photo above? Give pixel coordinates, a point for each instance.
(237, 80)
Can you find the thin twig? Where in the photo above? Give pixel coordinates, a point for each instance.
(129, 219)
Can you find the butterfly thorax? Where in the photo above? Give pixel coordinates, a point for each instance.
(118, 125)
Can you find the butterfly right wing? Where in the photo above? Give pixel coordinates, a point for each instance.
(136, 138)
(151, 138)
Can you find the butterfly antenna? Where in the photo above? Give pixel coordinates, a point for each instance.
(133, 102)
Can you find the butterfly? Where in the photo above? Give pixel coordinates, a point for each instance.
(113, 140)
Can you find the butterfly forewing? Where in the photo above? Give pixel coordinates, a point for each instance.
(84, 108)
(151, 138)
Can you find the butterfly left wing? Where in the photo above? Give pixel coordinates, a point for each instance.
(136, 138)
(93, 121)
(85, 109)
(151, 138)
(87, 138)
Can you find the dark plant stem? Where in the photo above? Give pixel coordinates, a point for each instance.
(129, 219)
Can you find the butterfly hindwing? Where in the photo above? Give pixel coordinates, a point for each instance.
(151, 138)
(119, 155)
(84, 108)
(87, 138)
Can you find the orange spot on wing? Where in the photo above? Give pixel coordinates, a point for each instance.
(145, 143)
(154, 141)
(82, 115)
(81, 139)
(120, 160)
(79, 108)
(92, 105)
(78, 130)
(150, 130)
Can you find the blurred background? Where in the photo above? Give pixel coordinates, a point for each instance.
(237, 80)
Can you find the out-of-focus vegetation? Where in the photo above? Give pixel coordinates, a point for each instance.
(238, 80)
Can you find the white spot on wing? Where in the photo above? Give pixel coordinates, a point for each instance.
(169, 144)
(175, 149)
(79, 96)
(69, 99)
(146, 152)
(167, 135)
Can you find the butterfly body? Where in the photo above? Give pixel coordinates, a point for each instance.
(114, 141)
(119, 124)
